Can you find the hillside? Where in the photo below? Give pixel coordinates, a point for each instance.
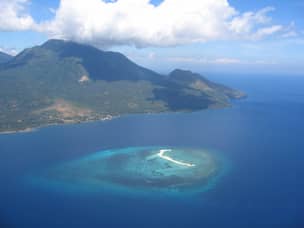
(4, 57)
(66, 82)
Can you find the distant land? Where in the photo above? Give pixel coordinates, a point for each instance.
(65, 82)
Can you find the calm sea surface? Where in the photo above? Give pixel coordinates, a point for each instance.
(262, 137)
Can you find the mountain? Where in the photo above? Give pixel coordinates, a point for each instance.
(66, 82)
(4, 57)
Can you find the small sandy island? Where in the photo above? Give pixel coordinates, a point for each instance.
(161, 155)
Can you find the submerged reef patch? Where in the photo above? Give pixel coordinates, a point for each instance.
(139, 168)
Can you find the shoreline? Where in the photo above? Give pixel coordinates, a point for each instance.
(108, 118)
(27, 130)
(33, 129)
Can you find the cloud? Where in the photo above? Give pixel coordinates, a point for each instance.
(227, 61)
(246, 22)
(290, 34)
(290, 31)
(219, 61)
(151, 55)
(262, 32)
(254, 26)
(14, 17)
(140, 23)
(10, 51)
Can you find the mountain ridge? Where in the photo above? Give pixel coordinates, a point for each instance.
(4, 57)
(67, 82)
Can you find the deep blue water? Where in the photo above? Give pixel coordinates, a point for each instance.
(262, 136)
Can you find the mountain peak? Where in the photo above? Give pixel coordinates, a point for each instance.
(55, 41)
(58, 45)
(179, 71)
(185, 75)
(66, 82)
(95, 63)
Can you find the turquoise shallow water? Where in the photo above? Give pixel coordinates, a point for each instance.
(137, 171)
(261, 136)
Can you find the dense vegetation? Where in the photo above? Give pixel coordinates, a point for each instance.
(66, 82)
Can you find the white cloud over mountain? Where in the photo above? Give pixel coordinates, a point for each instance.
(10, 51)
(141, 24)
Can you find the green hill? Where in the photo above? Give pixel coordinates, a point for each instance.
(66, 82)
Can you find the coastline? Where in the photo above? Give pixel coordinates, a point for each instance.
(27, 130)
(33, 129)
(108, 118)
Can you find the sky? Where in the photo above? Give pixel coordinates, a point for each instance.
(218, 36)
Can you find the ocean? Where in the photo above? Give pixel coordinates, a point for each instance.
(262, 137)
